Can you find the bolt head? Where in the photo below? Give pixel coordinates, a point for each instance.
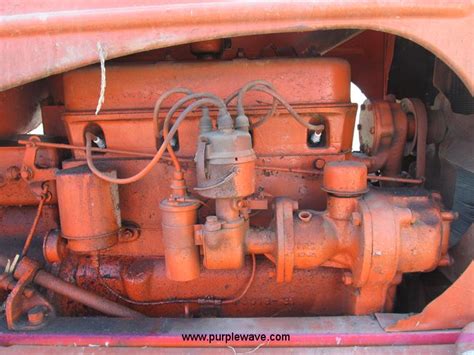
(240, 204)
(128, 234)
(319, 164)
(212, 224)
(26, 173)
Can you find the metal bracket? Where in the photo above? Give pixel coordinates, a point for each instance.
(29, 171)
(25, 308)
(32, 174)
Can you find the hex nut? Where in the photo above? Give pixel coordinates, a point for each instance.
(212, 224)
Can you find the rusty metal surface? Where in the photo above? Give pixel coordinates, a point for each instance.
(15, 191)
(28, 271)
(325, 244)
(363, 242)
(24, 300)
(332, 240)
(144, 280)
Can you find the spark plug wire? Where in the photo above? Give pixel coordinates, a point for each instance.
(244, 89)
(219, 103)
(266, 87)
(158, 154)
(156, 128)
(202, 99)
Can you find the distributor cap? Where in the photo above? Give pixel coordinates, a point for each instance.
(228, 147)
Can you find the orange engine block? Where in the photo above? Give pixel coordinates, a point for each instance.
(258, 207)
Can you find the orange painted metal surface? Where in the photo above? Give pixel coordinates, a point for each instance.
(209, 219)
(95, 221)
(383, 131)
(30, 269)
(259, 208)
(73, 31)
(13, 189)
(306, 80)
(178, 217)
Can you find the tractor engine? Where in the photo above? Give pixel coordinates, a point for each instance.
(224, 188)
